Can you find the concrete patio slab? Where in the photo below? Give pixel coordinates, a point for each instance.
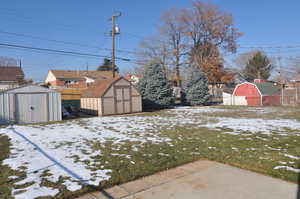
(175, 173)
(136, 186)
(113, 192)
(206, 179)
(157, 179)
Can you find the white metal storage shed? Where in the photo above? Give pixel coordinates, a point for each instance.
(111, 96)
(30, 104)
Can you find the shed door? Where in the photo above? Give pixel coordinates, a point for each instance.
(31, 108)
(123, 100)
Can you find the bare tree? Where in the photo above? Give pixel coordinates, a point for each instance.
(8, 61)
(290, 69)
(198, 35)
(210, 30)
(241, 60)
(295, 64)
(153, 50)
(172, 32)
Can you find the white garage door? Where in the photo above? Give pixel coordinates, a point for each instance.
(31, 108)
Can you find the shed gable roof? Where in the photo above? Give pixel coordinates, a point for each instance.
(75, 74)
(29, 88)
(267, 88)
(11, 73)
(99, 88)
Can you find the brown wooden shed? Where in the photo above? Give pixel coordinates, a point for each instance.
(110, 97)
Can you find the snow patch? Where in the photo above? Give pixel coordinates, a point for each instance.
(292, 157)
(288, 168)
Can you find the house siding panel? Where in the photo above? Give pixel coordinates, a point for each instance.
(108, 106)
(136, 104)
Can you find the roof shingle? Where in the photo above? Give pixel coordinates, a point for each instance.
(267, 88)
(99, 87)
(11, 73)
(80, 74)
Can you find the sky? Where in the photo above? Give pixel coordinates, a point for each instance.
(84, 26)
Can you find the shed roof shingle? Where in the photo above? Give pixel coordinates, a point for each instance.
(267, 88)
(11, 73)
(99, 87)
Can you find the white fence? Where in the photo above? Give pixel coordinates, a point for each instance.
(229, 99)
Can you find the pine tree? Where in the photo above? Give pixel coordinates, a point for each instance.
(155, 88)
(107, 66)
(195, 89)
(258, 67)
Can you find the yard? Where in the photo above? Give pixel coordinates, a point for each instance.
(70, 158)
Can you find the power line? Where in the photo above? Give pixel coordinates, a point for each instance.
(240, 46)
(271, 47)
(63, 52)
(27, 19)
(60, 51)
(64, 42)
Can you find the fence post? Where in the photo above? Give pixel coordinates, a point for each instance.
(281, 96)
(297, 95)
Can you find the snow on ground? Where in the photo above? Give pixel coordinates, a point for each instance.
(256, 125)
(288, 168)
(292, 157)
(70, 143)
(239, 126)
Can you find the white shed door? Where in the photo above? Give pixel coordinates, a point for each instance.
(123, 100)
(31, 108)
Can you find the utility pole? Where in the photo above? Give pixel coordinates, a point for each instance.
(115, 30)
(280, 69)
(280, 77)
(87, 68)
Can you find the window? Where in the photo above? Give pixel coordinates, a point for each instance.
(71, 82)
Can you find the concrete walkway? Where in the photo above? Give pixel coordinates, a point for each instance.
(201, 179)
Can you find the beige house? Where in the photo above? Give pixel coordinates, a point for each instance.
(75, 78)
(110, 97)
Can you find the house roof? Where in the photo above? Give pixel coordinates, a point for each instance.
(11, 73)
(267, 88)
(129, 76)
(99, 87)
(75, 74)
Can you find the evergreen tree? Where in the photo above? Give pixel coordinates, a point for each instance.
(195, 88)
(258, 67)
(107, 66)
(155, 88)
